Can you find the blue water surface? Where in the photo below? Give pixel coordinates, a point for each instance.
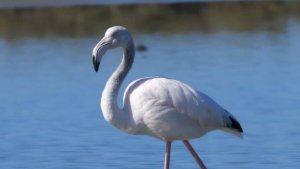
(49, 102)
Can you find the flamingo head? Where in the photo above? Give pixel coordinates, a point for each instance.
(116, 36)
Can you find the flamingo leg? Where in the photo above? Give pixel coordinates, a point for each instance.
(167, 155)
(194, 154)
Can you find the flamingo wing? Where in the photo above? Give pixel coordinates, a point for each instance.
(172, 110)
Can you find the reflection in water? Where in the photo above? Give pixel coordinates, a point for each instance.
(202, 17)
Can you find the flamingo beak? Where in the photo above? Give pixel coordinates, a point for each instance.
(99, 50)
(95, 63)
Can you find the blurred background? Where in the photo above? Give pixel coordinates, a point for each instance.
(244, 54)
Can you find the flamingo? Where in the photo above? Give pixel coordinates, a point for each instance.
(161, 107)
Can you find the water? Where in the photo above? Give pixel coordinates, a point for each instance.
(50, 116)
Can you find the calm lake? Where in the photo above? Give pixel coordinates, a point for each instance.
(49, 98)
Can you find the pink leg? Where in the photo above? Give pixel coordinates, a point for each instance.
(194, 154)
(167, 155)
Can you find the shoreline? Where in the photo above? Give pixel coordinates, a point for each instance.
(19, 4)
(148, 18)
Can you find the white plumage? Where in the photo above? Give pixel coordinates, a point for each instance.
(163, 108)
(171, 110)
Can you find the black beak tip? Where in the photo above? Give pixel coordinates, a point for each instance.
(96, 64)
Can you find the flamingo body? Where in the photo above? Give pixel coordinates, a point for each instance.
(171, 110)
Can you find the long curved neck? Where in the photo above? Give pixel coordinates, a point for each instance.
(109, 100)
